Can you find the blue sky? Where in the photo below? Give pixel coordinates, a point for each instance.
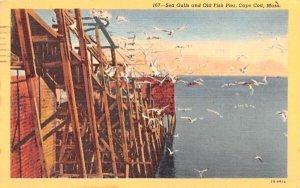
(200, 24)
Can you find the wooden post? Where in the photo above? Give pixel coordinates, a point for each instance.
(69, 86)
(28, 57)
(121, 113)
(146, 136)
(132, 129)
(88, 91)
(106, 109)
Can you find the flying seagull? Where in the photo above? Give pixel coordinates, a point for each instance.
(121, 19)
(244, 69)
(170, 32)
(172, 153)
(215, 112)
(201, 172)
(191, 120)
(259, 158)
(283, 114)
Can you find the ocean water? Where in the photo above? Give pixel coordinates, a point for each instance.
(228, 146)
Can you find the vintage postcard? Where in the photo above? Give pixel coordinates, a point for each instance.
(145, 94)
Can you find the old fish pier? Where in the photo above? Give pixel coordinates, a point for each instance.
(74, 111)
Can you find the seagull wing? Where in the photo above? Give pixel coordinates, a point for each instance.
(197, 170)
(185, 117)
(158, 29)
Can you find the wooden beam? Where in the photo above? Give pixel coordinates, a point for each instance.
(88, 91)
(121, 114)
(146, 135)
(107, 110)
(140, 136)
(44, 38)
(132, 130)
(69, 86)
(28, 58)
(42, 23)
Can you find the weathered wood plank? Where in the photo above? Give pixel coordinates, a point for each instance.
(88, 91)
(24, 34)
(107, 110)
(69, 86)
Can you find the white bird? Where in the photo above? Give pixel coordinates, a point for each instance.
(150, 37)
(121, 19)
(110, 71)
(228, 84)
(170, 32)
(91, 45)
(184, 109)
(283, 114)
(158, 80)
(158, 110)
(176, 135)
(259, 158)
(215, 112)
(197, 82)
(73, 25)
(192, 120)
(102, 14)
(201, 172)
(244, 69)
(151, 119)
(264, 81)
(172, 153)
(251, 89)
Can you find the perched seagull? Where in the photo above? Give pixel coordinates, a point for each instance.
(190, 119)
(244, 69)
(215, 112)
(170, 32)
(259, 158)
(121, 19)
(283, 114)
(176, 135)
(201, 172)
(172, 153)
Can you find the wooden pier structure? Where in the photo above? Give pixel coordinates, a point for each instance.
(105, 127)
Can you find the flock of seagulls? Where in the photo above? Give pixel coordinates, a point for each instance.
(248, 83)
(131, 49)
